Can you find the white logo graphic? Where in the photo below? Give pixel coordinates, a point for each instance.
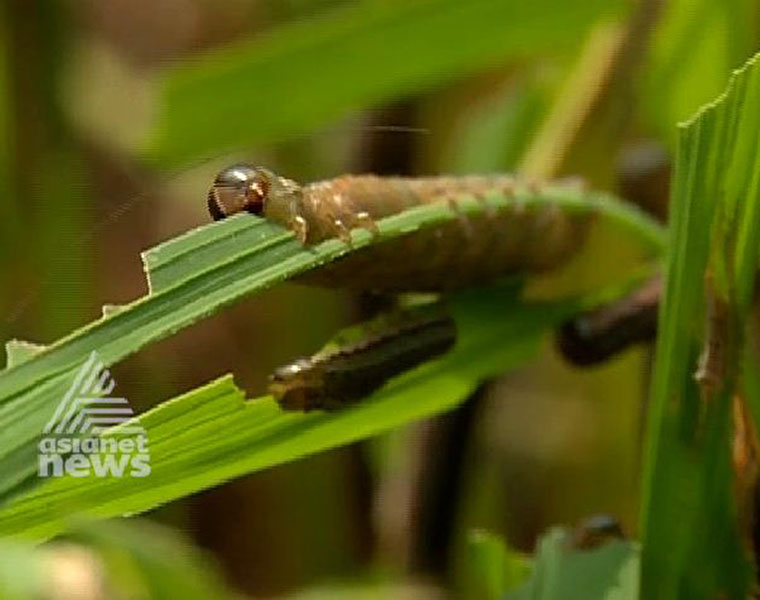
(73, 444)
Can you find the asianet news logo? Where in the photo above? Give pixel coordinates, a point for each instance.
(89, 434)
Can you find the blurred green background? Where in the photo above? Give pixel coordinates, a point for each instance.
(115, 116)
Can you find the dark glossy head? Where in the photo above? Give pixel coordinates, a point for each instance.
(239, 188)
(298, 386)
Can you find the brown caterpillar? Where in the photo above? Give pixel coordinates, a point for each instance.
(461, 253)
(331, 380)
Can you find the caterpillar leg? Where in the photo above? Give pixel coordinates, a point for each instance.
(365, 221)
(343, 231)
(341, 218)
(347, 222)
(300, 228)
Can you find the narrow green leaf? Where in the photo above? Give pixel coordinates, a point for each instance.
(212, 434)
(693, 542)
(17, 351)
(305, 74)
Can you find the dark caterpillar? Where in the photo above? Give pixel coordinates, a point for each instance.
(595, 336)
(340, 377)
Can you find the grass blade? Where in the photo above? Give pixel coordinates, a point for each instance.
(212, 434)
(279, 85)
(694, 540)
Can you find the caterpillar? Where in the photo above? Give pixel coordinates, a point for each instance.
(461, 253)
(338, 377)
(595, 336)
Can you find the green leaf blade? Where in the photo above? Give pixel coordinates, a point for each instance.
(280, 85)
(212, 434)
(694, 545)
